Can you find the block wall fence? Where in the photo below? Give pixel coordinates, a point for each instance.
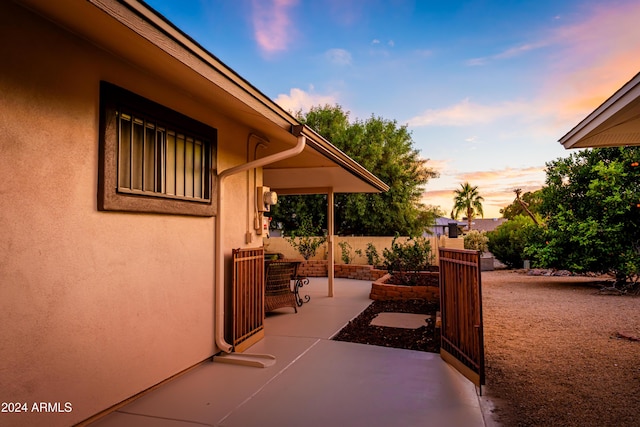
(280, 245)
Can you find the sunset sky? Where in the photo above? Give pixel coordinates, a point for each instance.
(486, 87)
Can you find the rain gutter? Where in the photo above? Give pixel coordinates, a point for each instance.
(219, 265)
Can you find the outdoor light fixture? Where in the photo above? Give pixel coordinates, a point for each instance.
(266, 198)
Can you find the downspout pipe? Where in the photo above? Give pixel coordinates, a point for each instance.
(219, 278)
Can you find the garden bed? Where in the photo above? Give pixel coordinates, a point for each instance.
(386, 289)
(425, 338)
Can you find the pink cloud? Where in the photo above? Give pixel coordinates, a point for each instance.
(467, 113)
(595, 58)
(273, 27)
(300, 100)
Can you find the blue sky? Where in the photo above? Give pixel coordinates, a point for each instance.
(486, 87)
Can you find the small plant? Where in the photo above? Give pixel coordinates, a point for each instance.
(372, 255)
(476, 240)
(347, 255)
(305, 239)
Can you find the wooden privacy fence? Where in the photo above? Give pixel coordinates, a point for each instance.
(247, 297)
(461, 310)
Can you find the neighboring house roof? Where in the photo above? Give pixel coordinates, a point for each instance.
(137, 33)
(480, 224)
(444, 222)
(486, 224)
(441, 225)
(614, 123)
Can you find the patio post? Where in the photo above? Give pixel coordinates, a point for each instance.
(330, 231)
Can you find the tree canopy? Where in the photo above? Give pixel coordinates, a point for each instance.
(591, 205)
(384, 148)
(532, 199)
(467, 200)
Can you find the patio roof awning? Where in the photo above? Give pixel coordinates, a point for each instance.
(320, 167)
(614, 123)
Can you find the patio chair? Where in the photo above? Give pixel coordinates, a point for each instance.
(277, 284)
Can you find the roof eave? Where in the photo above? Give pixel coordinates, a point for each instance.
(579, 136)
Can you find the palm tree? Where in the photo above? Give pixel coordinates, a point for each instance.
(467, 200)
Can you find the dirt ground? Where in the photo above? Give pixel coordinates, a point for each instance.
(553, 354)
(425, 338)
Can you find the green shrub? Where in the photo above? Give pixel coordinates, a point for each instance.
(372, 255)
(413, 255)
(347, 255)
(305, 239)
(509, 241)
(476, 240)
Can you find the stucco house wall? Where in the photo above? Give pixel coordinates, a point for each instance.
(94, 306)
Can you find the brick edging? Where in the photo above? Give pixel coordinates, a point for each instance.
(381, 291)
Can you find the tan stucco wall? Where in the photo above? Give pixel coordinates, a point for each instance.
(94, 306)
(281, 245)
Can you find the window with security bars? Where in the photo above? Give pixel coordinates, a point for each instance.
(153, 159)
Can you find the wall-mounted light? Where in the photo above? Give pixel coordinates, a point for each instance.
(266, 198)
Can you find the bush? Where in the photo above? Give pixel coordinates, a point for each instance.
(476, 240)
(347, 256)
(372, 255)
(413, 255)
(305, 239)
(509, 241)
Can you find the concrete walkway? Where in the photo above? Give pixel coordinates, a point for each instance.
(315, 381)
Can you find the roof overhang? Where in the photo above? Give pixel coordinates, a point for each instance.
(614, 123)
(136, 33)
(320, 167)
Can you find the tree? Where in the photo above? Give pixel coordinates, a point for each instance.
(288, 214)
(591, 203)
(529, 201)
(467, 200)
(385, 149)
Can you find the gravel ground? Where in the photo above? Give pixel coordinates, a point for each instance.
(553, 353)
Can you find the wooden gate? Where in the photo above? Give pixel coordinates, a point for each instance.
(247, 297)
(461, 310)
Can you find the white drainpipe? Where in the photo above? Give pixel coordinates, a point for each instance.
(219, 279)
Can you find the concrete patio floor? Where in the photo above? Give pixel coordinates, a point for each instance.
(315, 381)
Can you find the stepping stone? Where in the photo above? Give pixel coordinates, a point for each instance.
(400, 320)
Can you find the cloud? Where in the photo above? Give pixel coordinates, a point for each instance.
(466, 113)
(299, 100)
(593, 58)
(438, 193)
(439, 165)
(273, 29)
(502, 175)
(338, 56)
(507, 54)
(587, 61)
